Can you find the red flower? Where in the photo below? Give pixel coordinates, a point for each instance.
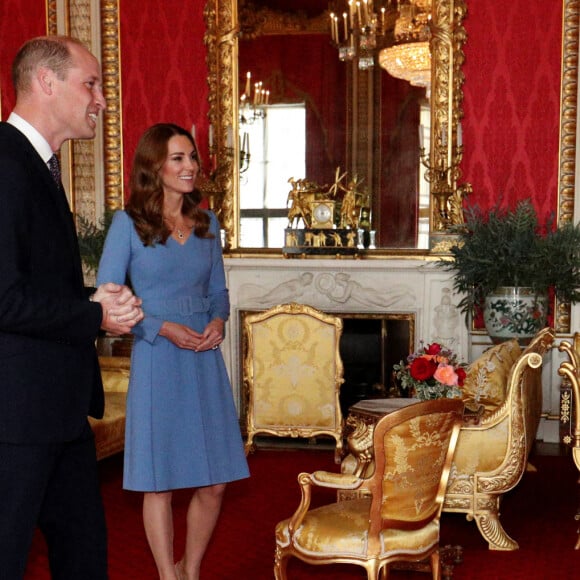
(433, 349)
(461, 374)
(422, 369)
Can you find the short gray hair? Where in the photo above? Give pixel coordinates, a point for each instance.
(52, 52)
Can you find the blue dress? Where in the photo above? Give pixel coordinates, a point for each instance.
(182, 425)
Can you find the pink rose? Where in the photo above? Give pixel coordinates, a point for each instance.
(446, 375)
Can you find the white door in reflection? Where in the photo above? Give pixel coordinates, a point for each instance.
(276, 143)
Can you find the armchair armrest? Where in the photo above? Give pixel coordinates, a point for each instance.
(335, 480)
(320, 479)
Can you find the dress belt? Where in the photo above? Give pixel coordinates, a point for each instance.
(183, 305)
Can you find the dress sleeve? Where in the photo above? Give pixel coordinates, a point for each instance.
(114, 267)
(114, 263)
(217, 291)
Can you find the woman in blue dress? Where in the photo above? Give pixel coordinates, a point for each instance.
(182, 426)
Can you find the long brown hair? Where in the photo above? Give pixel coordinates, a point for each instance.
(145, 205)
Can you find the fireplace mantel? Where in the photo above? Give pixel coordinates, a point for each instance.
(415, 287)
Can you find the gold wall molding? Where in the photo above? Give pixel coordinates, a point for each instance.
(568, 131)
(88, 163)
(113, 117)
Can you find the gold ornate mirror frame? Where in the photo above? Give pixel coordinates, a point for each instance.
(221, 39)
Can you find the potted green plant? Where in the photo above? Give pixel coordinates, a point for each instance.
(91, 238)
(504, 258)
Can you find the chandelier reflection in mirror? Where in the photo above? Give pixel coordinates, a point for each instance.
(395, 31)
(409, 58)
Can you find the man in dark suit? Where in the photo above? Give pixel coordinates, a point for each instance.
(49, 374)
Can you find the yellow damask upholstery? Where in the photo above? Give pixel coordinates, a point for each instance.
(486, 380)
(397, 516)
(571, 370)
(293, 373)
(110, 430)
(491, 455)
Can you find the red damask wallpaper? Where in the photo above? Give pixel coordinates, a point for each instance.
(512, 100)
(164, 75)
(19, 21)
(512, 91)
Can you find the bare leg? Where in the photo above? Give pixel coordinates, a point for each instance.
(158, 522)
(202, 516)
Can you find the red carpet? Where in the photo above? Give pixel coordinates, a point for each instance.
(539, 514)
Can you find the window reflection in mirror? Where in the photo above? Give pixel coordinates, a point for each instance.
(364, 122)
(276, 143)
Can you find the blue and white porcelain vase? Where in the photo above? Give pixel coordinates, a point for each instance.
(515, 312)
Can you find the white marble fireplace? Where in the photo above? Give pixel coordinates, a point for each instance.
(414, 287)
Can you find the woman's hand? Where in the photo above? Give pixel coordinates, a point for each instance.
(213, 335)
(181, 335)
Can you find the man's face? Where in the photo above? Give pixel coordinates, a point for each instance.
(79, 97)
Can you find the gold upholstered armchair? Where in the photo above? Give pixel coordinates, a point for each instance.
(110, 430)
(396, 518)
(292, 374)
(492, 452)
(570, 370)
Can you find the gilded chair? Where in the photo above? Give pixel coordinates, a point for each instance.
(503, 399)
(292, 374)
(110, 430)
(492, 453)
(570, 370)
(396, 518)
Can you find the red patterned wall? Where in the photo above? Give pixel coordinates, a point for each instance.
(164, 75)
(512, 91)
(19, 21)
(512, 99)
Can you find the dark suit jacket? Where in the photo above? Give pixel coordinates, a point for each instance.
(49, 373)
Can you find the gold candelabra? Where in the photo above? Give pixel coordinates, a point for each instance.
(442, 173)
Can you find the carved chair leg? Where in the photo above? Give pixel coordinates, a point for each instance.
(280, 564)
(435, 565)
(493, 532)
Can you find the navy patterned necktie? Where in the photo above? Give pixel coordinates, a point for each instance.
(54, 167)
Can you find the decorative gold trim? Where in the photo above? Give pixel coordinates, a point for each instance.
(222, 62)
(568, 129)
(112, 118)
(221, 39)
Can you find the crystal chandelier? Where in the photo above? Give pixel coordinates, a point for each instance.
(357, 27)
(410, 57)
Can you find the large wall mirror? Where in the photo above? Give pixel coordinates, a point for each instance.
(352, 118)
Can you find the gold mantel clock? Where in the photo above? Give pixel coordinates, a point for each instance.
(322, 213)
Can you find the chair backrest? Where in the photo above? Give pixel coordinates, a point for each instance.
(293, 371)
(413, 452)
(525, 386)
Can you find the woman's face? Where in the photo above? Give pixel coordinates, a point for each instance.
(180, 169)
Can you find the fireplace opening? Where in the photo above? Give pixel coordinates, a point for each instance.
(369, 347)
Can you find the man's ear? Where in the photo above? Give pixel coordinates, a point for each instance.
(45, 78)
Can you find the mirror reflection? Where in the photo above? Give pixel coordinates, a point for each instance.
(310, 112)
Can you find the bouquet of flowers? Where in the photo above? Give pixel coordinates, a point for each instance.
(432, 372)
